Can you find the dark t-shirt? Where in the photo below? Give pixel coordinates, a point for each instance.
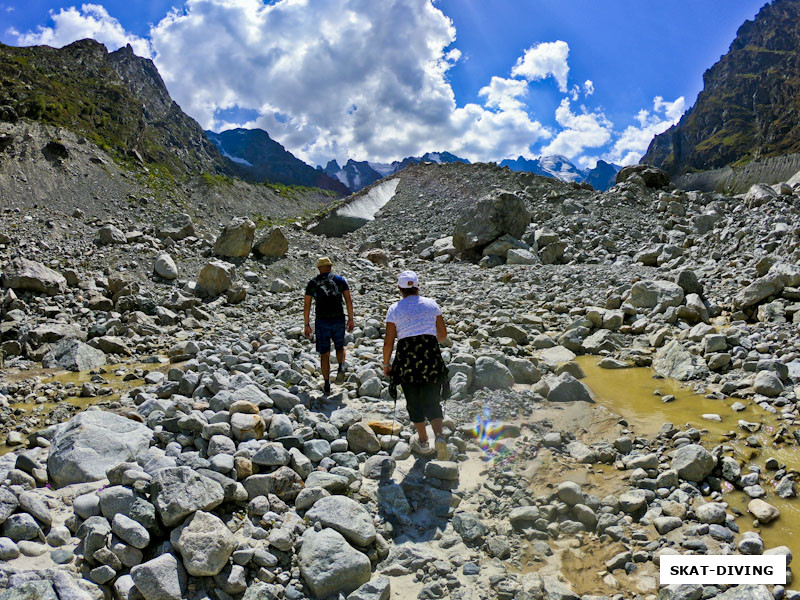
(327, 290)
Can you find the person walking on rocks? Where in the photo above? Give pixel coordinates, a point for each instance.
(417, 323)
(327, 289)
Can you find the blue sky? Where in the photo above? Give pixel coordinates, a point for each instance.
(383, 79)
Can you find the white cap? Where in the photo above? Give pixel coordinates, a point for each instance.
(408, 279)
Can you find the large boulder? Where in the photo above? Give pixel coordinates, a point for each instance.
(177, 492)
(91, 443)
(497, 213)
(762, 288)
(236, 239)
(653, 177)
(162, 578)
(566, 388)
(759, 194)
(205, 543)
(274, 244)
(215, 278)
(108, 235)
(177, 227)
(652, 294)
(329, 565)
(489, 373)
(27, 275)
(673, 360)
(346, 516)
(73, 355)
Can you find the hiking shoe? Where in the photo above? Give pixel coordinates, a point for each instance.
(326, 389)
(340, 375)
(442, 451)
(422, 448)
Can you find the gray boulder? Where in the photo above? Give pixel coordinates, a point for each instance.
(346, 516)
(653, 177)
(693, 462)
(491, 374)
(520, 256)
(28, 275)
(652, 294)
(673, 360)
(762, 288)
(377, 589)
(361, 438)
(165, 267)
(177, 227)
(73, 355)
(329, 565)
(215, 278)
(236, 239)
(91, 443)
(495, 214)
(273, 244)
(746, 592)
(162, 578)
(205, 543)
(768, 384)
(179, 491)
(565, 388)
(469, 527)
(109, 235)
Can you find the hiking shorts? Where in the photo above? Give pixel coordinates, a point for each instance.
(327, 329)
(423, 401)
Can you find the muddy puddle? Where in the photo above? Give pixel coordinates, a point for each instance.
(631, 393)
(75, 391)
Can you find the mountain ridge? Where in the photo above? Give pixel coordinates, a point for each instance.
(259, 158)
(749, 107)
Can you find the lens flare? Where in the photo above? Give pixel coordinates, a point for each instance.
(489, 434)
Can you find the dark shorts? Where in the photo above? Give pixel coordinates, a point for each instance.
(423, 401)
(327, 329)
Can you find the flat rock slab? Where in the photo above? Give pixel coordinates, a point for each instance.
(556, 355)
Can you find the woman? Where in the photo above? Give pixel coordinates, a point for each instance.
(418, 367)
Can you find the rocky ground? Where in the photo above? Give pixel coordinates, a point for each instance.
(210, 465)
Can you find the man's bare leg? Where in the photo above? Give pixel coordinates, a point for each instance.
(325, 365)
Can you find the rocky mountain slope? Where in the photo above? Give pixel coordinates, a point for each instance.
(116, 100)
(259, 158)
(82, 128)
(750, 104)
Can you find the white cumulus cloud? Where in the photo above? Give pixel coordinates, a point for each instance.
(336, 78)
(633, 141)
(588, 87)
(580, 131)
(542, 60)
(504, 93)
(91, 21)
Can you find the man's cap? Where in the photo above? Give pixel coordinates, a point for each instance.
(408, 279)
(324, 261)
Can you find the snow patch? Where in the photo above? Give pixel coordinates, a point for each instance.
(371, 202)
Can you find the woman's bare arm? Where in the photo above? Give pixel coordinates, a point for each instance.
(441, 329)
(388, 346)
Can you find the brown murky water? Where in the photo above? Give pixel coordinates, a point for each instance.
(116, 377)
(630, 393)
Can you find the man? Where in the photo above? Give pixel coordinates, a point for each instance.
(327, 289)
